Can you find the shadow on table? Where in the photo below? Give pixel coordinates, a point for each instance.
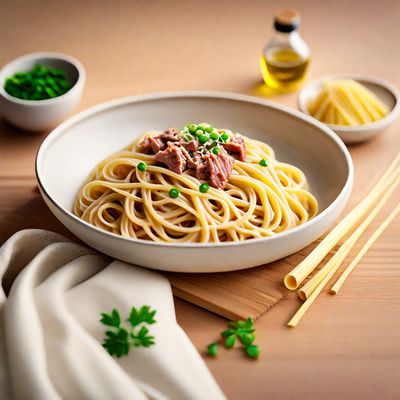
(259, 89)
(33, 214)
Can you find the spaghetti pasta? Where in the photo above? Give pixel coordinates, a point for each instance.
(257, 201)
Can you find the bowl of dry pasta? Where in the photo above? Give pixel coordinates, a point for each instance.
(356, 107)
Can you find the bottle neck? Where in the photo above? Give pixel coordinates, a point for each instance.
(292, 40)
(286, 36)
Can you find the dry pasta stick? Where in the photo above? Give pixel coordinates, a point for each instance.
(320, 110)
(335, 116)
(369, 101)
(343, 101)
(341, 109)
(313, 296)
(336, 287)
(298, 274)
(315, 104)
(340, 120)
(305, 292)
(330, 115)
(371, 97)
(324, 115)
(348, 96)
(307, 304)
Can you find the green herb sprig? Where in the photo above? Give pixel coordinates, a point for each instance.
(239, 331)
(206, 135)
(40, 83)
(119, 340)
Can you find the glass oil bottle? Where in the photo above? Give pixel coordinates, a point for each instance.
(285, 58)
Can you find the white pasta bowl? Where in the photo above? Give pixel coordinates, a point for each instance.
(71, 151)
(385, 91)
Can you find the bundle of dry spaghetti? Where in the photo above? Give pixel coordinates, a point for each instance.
(357, 221)
(347, 102)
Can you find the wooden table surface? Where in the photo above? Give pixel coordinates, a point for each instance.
(348, 346)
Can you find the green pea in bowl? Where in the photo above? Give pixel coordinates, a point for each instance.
(39, 90)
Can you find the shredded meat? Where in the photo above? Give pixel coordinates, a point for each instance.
(178, 155)
(145, 146)
(236, 146)
(157, 144)
(219, 168)
(171, 135)
(153, 144)
(202, 171)
(192, 146)
(189, 159)
(172, 157)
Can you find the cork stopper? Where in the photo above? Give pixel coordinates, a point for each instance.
(287, 20)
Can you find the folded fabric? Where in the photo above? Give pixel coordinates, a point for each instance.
(54, 293)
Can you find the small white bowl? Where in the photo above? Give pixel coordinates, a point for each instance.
(70, 152)
(38, 115)
(385, 91)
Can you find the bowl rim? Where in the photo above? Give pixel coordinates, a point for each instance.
(388, 119)
(48, 54)
(193, 94)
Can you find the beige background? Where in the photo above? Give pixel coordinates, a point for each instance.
(348, 347)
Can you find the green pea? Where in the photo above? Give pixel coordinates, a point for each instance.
(214, 136)
(142, 166)
(263, 163)
(203, 139)
(204, 187)
(209, 129)
(224, 136)
(174, 193)
(212, 349)
(230, 341)
(253, 351)
(192, 128)
(216, 150)
(247, 338)
(199, 132)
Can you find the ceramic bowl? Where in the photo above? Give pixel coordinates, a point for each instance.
(355, 134)
(38, 115)
(70, 152)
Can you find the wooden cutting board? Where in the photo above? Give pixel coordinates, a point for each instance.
(239, 294)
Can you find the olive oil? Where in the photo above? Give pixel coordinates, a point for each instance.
(283, 68)
(285, 58)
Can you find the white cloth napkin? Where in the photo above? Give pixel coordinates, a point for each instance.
(51, 335)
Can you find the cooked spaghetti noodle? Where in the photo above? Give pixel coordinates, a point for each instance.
(257, 200)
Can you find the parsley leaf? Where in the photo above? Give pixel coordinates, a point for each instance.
(112, 319)
(119, 341)
(116, 343)
(143, 338)
(143, 315)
